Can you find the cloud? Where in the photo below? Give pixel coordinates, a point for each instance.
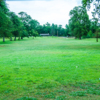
(52, 11)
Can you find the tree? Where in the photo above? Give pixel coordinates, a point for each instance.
(52, 30)
(5, 23)
(33, 25)
(95, 12)
(93, 28)
(34, 33)
(59, 30)
(66, 30)
(40, 29)
(96, 6)
(56, 29)
(3, 7)
(17, 25)
(79, 22)
(25, 18)
(48, 27)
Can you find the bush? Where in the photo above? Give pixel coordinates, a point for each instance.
(90, 34)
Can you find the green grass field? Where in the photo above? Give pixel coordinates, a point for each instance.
(50, 68)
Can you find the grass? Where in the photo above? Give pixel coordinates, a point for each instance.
(50, 68)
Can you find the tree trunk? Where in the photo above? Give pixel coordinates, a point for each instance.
(10, 38)
(21, 37)
(97, 38)
(3, 38)
(15, 38)
(80, 37)
(57, 33)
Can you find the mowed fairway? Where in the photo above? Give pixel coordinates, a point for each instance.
(50, 68)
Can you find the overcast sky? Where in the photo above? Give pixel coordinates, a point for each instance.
(52, 11)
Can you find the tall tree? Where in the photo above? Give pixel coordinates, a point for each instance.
(17, 25)
(25, 18)
(33, 27)
(95, 13)
(5, 23)
(79, 22)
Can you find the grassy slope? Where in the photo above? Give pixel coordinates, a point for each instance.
(50, 68)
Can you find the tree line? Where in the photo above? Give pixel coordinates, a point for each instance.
(22, 25)
(12, 25)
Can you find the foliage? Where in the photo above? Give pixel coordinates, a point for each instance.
(33, 24)
(90, 34)
(17, 25)
(24, 26)
(34, 33)
(79, 22)
(95, 13)
(5, 23)
(67, 30)
(25, 18)
(96, 7)
(3, 7)
(24, 33)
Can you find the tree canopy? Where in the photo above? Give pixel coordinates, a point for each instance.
(22, 25)
(79, 22)
(95, 13)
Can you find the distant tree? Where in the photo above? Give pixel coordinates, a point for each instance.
(25, 18)
(63, 32)
(47, 24)
(48, 27)
(66, 30)
(52, 30)
(59, 30)
(56, 29)
(95, 13)
(33, 24)
(79, 22)
(17, 25)
(40, 29)
(34, 33)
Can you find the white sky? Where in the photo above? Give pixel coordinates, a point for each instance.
(52, 11)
